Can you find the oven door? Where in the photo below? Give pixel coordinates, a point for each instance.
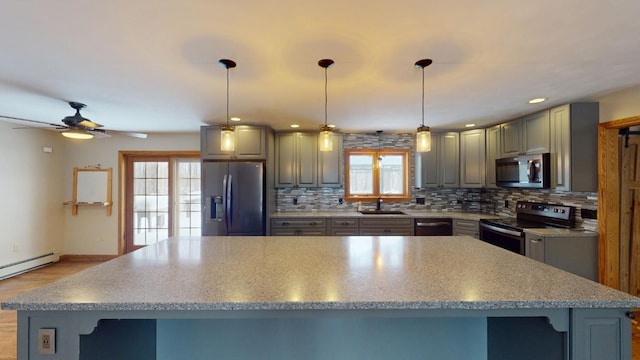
(507, 239)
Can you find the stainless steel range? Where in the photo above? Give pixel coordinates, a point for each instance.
(508, 233)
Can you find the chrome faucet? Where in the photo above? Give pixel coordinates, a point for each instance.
(379, 203)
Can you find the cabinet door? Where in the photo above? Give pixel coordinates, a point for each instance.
(534, 247)
(535, 133)
(250, 142)
(560, 146)
(285, 160)
(511, 136)
(427, 174)
(306, 159)
(330, 164)
(472, 158)
(450, 160)
(210, 144)
(493, 153)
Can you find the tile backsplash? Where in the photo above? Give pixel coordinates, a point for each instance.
(500, 201)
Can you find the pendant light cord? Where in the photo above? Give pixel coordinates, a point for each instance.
(423, 96)
(228, 96)
(325, 96)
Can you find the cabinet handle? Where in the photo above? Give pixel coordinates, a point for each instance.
(344, 223)
(285, 224)
(535, 241)
(387, 230)
(313, 223)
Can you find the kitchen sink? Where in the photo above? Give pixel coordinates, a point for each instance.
(382, 212)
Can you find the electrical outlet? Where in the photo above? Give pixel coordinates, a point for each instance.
(506, 203)
(16, 248)
(47, 341)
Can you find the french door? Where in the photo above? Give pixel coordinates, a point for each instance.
(161, 197)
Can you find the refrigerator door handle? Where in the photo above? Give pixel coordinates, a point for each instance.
(225, 200)
(230, 201)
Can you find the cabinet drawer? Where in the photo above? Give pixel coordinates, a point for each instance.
(298, 223)
(387, 222)
(459, 224)
(344, 223)
(386, 232)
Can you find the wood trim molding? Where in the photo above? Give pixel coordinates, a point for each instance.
(87, 257)
(609, 200)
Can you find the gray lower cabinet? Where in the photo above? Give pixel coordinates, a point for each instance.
(343, 227)
(250, 143)
(298, 226)
(386, 226)
(577, 254)
(466, 227)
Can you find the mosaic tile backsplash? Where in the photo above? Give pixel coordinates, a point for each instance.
(498, 201)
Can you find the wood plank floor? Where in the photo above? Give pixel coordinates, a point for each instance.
(36, 278)
(25, 282)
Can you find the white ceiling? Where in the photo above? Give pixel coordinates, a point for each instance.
(151, 66)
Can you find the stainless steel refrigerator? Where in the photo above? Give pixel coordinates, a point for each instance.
(233, 198)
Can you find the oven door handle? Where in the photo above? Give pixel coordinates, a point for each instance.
(440, 223)
(501, 230)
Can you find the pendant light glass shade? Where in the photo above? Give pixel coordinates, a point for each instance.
(423, 135)
(227, 136)
(423, 139)
(325, 140)
(77, 134)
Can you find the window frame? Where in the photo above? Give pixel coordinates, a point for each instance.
(375, 153)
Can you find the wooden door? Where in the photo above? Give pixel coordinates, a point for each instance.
(630, 215)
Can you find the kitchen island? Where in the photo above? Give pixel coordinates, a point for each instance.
(325, 298)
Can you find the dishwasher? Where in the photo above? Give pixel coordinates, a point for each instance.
(433, 227)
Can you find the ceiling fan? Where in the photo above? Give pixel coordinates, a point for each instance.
(78, 127)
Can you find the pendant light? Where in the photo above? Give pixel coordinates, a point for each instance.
(227, 140)
(325, 138)
(423, 136)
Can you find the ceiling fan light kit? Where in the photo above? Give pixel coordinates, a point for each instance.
(227, 138)
(325, 139)
(77, 134)
(423, 135)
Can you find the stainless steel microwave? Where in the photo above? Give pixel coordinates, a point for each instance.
(526, 171)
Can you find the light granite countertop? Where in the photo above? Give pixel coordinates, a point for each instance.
(320, 273)
(407, 213)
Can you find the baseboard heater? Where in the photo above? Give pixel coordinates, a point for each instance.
(20, 267)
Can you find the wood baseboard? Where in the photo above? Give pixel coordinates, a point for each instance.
(87, 257)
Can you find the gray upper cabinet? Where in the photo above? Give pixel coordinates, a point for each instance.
(493, 153)
(330, 164)
(511, 138)
(527, 135)
(439, 167)
(535, 133)
(574, 143)
(296, 159)
(472, 158)
(250, 143)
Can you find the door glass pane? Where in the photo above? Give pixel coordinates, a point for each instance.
(188, 197)
(361, 174)
(150, 202)
(391, 174)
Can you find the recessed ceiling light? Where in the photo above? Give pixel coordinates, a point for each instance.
(537, 100)
(295, 126)
(469, 125)
(234, 119)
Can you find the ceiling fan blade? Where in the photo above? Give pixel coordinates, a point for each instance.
(31, 121)
(89, 124)
(127, 133)
(98, 133)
